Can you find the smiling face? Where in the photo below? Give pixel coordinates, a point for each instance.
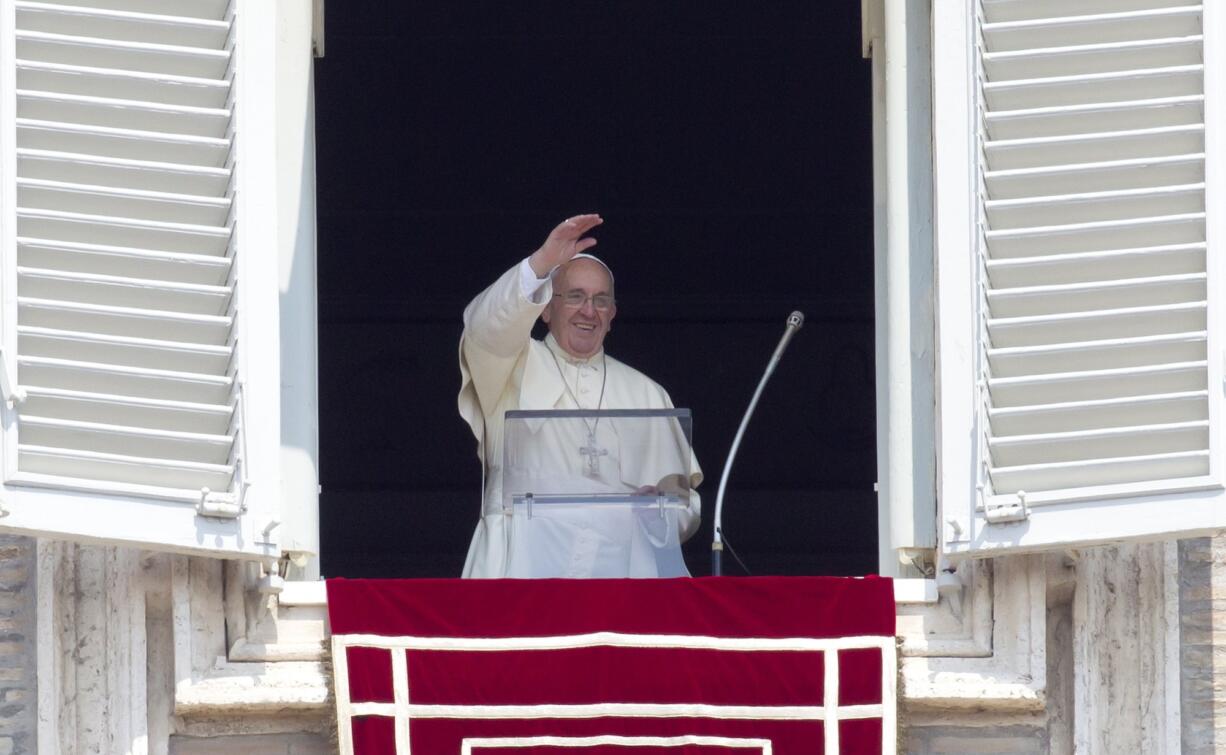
(580, 331)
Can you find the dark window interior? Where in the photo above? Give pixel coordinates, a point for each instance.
(727, 146)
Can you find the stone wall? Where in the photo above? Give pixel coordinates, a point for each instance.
(262, 744)
(972, 739)
(1202, 609)
(18, 693)
(1129, 650)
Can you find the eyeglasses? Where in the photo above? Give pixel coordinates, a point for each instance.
(576, 300)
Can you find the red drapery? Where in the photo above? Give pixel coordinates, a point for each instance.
(614, 667)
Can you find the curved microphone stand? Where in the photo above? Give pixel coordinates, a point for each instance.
(795, 321)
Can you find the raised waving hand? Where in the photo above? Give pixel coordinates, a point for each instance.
(563, 243)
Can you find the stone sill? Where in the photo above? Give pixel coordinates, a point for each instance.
(909, 591)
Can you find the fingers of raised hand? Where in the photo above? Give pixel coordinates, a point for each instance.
(573, 228)
(565, 241)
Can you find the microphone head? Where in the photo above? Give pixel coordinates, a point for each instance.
(796, 319)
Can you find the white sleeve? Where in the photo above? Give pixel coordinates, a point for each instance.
(529, 284)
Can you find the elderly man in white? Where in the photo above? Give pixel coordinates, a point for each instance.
(503, 368)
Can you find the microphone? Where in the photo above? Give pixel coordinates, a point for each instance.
(794, 323)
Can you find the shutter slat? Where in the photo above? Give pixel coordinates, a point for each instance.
(121, 231)
(1073, 268)
(995, 11)
(1063, 31)
(185, 9)
(1096, 295)
(1097, 472)
(1067, 120)
(121, 25)
(80, 50)
(112, 112)
(1164, 408)
(1094, 207)
(1108, 86)
(1184, 228)
(184, 149)
(122, 261)
(172, 445)
(71, 374)
(1093, 58)
(120, 173)
(140, 86)
(124, 321)
(1104, 354)
(1101, 443)
(114, 290)
(134, 204)
(1106, 176)
(1091, 385)
(58, 463)
(113, 409)
(1051, 152)
(133, 352)
(1070, 327)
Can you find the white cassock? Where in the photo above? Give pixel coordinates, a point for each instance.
(502, 369)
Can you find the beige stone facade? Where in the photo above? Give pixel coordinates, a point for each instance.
(17, 638)
(1104, 650)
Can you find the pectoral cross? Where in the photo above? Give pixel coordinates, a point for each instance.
(593, 454)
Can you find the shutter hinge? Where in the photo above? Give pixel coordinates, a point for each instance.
(219, 505)
(10, 391)
(1004, 512)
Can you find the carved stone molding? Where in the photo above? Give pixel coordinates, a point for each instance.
(958, 624)
(985, 649)
(209, 681)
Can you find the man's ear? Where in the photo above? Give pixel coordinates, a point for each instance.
(546, 313)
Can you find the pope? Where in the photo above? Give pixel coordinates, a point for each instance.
(504, 368)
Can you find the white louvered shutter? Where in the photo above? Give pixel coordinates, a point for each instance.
(1095, 356)
(121, 273)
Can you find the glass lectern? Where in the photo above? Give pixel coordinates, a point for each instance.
(597, 493)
